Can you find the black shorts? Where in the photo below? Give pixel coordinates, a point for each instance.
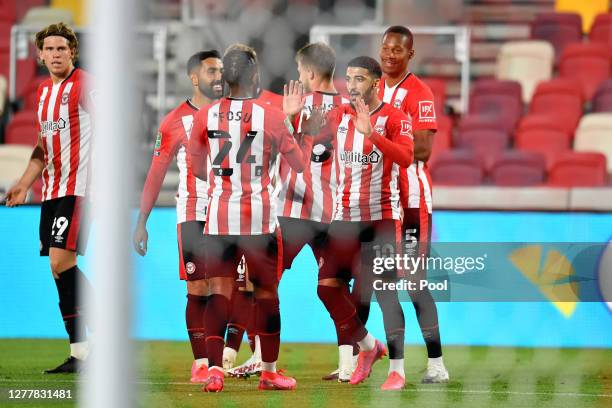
(297, 233)
(416, 232)
(190, 236)
(262, 263)
(62, 225)
(353, 248)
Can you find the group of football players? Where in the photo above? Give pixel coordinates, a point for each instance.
(261, 176)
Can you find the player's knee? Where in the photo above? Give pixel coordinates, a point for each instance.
(269, 292)
(221, 286)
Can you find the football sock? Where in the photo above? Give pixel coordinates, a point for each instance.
(270, 367)
(367, 343)
(215, 321)
(242, 305)
(70, 306)
(194, 316)
(342, 312)
(427, 316)
(251, 330)
(257, 347)
(79, 350)
(345, 352)
(268, 328)
(393, 319)
(397, 365)
(435, 362)
(201, 362)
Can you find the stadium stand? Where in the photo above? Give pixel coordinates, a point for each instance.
(43, 15)
(578, 169)
(602, 100)
(587, 64)
(560, 97)
(527, 62)
(13, 160)
(22, 129)
(594, 134)
(586, 9)
(438, 87)
(487, 144)
(518, 168)
(458, 168)
(541, 134)
(559, 29)
(499, 100)
(601, 30)
(443, 137)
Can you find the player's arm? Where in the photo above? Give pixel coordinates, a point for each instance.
(423, 116)
(293, 101)
(399, 148)
(165, 149)
(18, 192)
(297, 154)
(198, 145)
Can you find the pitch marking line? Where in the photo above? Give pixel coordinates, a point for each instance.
(558, 394)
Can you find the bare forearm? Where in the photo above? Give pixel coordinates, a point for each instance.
(34, 169)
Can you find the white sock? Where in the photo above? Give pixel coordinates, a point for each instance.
(201, 362)
(215, 368)
(271, 367)
(79, 350)
(230, 353)
(257, 352)
(435, 362)
(397, 365)
(367, 343)
(345, 353)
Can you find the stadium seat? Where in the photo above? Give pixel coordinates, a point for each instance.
(26, 70)
(487, 144)
(43, 16)
(602, 100)
(442, 140)
(589, 64)
(594, 134)
(587, 9)
(601, 30)
(560, 97)
(514, 168)
(559, 29)
(500, 100)
(438, 87)
(8, 10)
(527, 62)
(3, 88)
(13, 161)
(22, 129)
(457, 168)
(29, 93)
(548, 141)
(578, 169)
(5, 38)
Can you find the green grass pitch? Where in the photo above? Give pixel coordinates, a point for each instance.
(480, 377)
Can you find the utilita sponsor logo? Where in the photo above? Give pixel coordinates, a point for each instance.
(50, 126)
(353, 159)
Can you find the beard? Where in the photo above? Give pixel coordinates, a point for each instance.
(209, 92)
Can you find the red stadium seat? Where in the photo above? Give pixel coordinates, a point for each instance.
(457, 168)
(518, 168)
(559, 97)
(473, 122)
(549, 142)
(8, 10)
(442, 140)
(578, 170)
(501, 100)
(487, 144)
(22, 129)
(588, 64)
(559, 29)
(438, 87)
(26, 70)
(602, 101)
(5, 38)
(601, 30)
(29, 93)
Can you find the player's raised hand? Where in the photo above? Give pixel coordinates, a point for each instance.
(16, 195)
(313, 124)
(293, 98)
(362, 120)
(141, 236)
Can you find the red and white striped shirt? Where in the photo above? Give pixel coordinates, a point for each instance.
(413, 97)
(172, 140)
(241, 139)
(311, 195)
(368, 168)
(64, 123)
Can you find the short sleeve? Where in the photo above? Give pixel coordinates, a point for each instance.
(422, 109)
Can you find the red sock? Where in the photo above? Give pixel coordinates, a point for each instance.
(342, 311)
(194, 316)
(251, 328)
(268, 328)
(242, 305)
(215, 321)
